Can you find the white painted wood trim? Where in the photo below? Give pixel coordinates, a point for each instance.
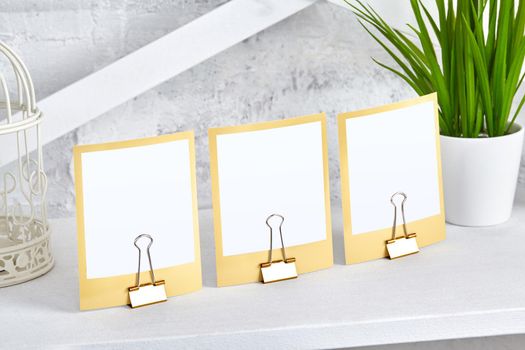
(471, 285)
(155, 63)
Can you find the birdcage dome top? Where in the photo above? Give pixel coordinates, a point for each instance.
(18, 109)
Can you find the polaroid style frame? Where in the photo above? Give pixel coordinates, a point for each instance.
(364, 246)
(113, 291)
(245, 267)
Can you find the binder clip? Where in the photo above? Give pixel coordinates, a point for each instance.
(147, 293)
(407, 244)
(278, 270)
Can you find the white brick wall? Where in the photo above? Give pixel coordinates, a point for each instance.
(317, 60)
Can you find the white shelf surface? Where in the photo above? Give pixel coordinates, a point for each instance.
(471, 285)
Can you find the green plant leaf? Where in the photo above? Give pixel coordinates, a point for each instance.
(478, 74)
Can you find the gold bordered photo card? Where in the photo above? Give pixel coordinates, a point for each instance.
(270, 185)
(391, 171)
(139, 192)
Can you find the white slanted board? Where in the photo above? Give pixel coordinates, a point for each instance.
(155, 63)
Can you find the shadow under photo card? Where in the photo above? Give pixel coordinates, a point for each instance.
(277, 167)
(384, 150)
(125, 189)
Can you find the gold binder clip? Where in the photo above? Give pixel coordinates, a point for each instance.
(278, 270)
(147, 293)
(406, 245)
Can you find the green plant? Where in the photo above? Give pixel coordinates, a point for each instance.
(478, 73)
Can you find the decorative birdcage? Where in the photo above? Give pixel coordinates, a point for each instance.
(24, 231)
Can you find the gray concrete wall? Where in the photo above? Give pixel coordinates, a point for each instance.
(317, 60)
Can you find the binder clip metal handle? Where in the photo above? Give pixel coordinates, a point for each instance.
(148, 293)
(402, 213)
(278, 270)
(407, 244)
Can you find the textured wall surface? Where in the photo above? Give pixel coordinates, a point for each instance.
(317, 60)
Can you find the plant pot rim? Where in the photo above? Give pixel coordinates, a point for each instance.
(515, 131)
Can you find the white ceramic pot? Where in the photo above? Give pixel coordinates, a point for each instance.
(480, 177)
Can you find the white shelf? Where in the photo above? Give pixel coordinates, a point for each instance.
(471, 285)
